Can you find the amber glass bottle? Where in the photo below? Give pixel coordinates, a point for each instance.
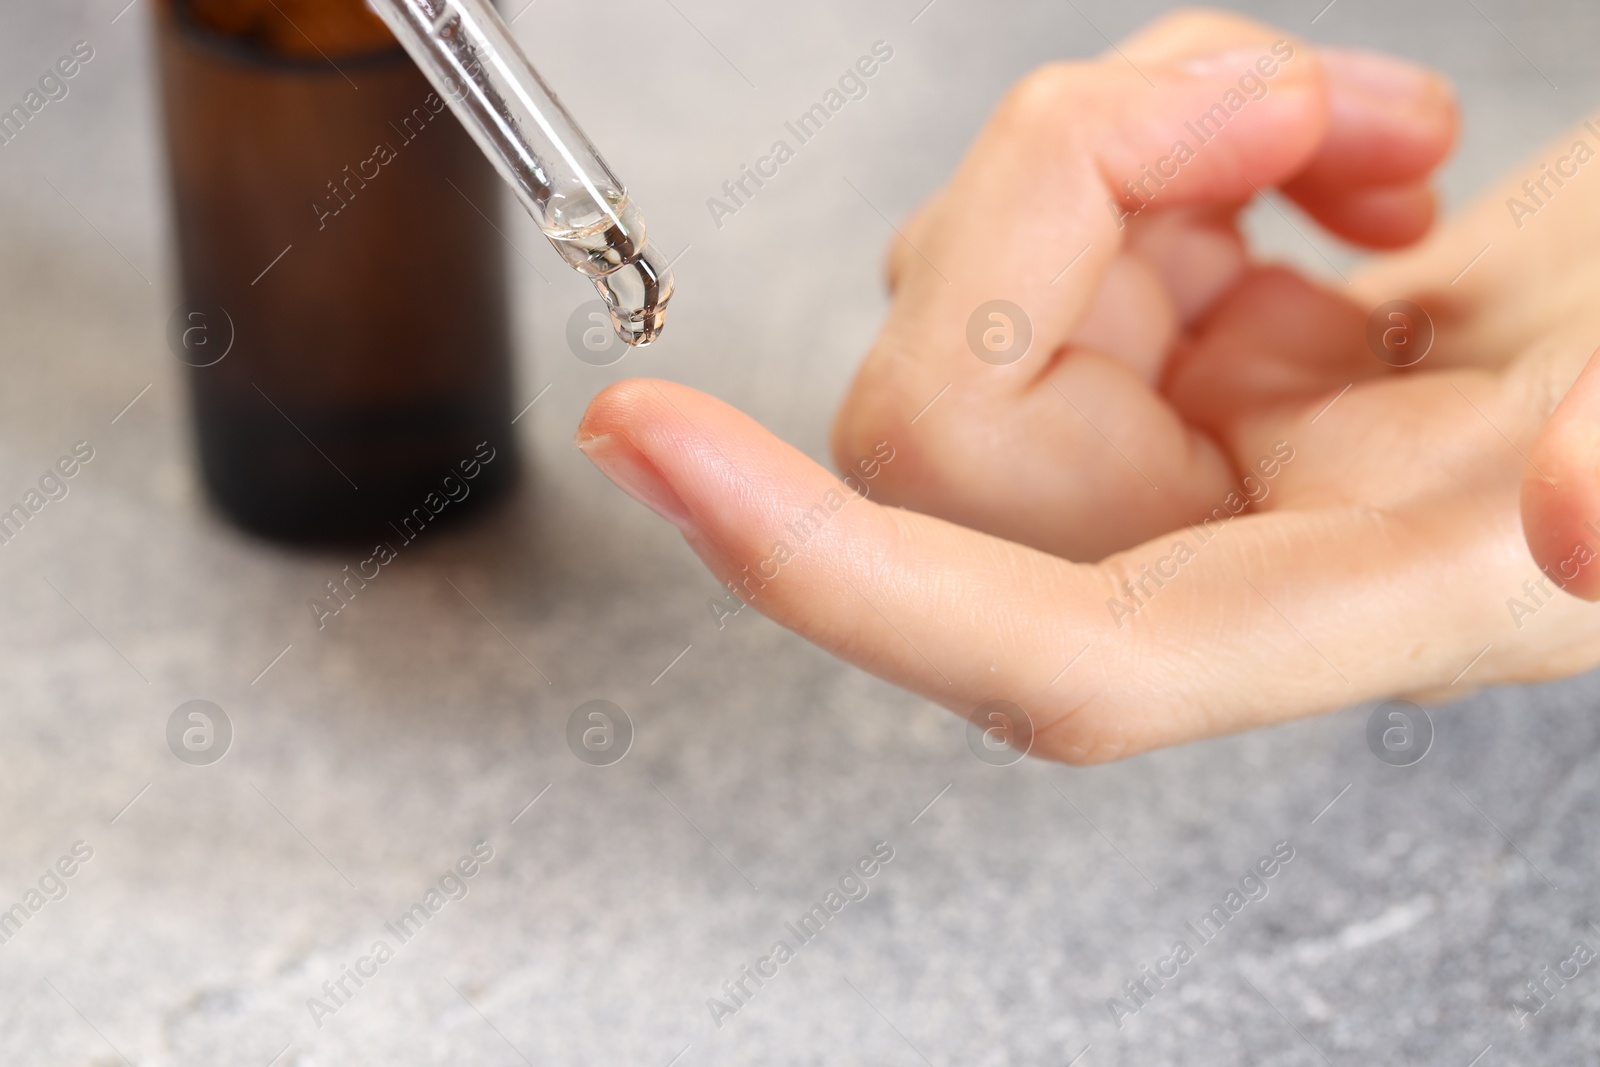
(343, 305)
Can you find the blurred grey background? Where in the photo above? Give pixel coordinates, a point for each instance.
(374, 753)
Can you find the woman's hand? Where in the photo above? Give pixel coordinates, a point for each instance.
(1268, 519)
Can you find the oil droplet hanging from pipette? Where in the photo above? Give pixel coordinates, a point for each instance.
(468, 54)
(608, 247)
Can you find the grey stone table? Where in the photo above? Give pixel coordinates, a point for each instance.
(370, 757)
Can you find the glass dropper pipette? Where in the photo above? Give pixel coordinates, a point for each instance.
(468, 54)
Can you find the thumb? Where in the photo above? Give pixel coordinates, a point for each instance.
(1561, 490)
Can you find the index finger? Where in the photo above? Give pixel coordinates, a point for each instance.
(1235, 623)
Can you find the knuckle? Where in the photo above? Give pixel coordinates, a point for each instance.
(1196, 21)
(1041, 97)
(874, 416)
(1185, 30)
(871, 412)
(899, 259)
(897, 263)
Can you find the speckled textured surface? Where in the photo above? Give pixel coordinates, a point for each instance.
(376, 752)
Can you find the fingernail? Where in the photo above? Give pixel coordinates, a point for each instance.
(635, 475)
(1379, 75)
(1235, 62)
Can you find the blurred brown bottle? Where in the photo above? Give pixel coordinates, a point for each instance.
(344, 290)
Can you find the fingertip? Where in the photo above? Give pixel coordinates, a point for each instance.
(615, 408)
(623, 434)
(1391, 122)
(1382, 78)
(724, 478)
(1387, 217)
(1179, 35)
